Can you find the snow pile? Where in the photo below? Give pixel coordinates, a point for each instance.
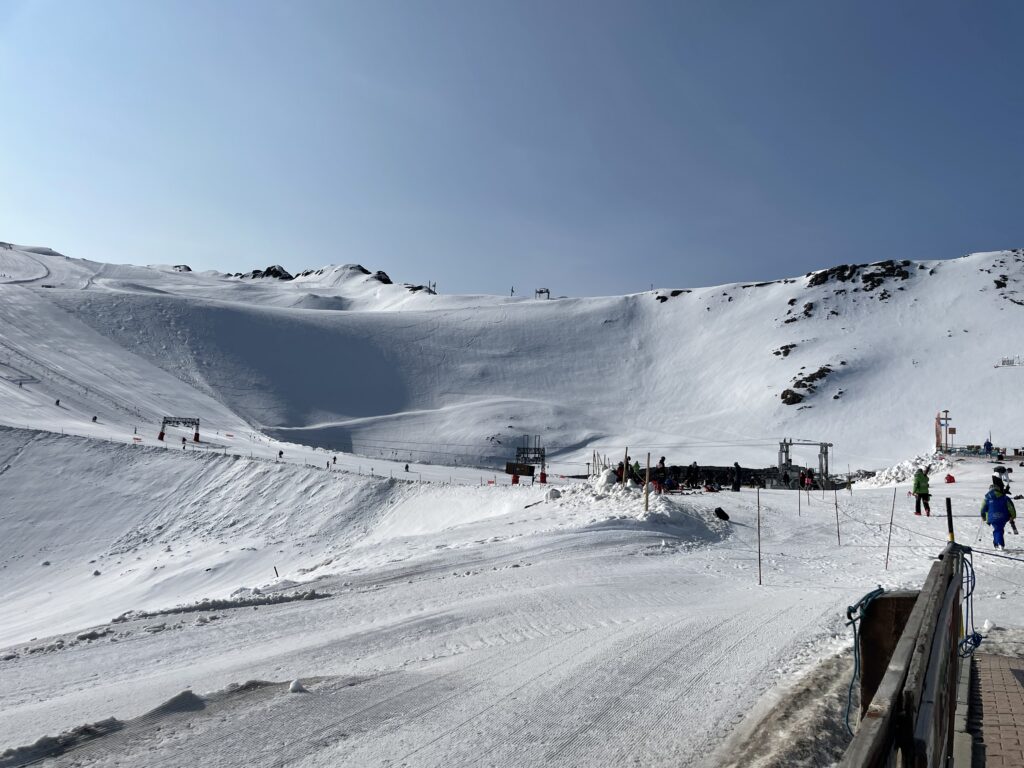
(934, 464)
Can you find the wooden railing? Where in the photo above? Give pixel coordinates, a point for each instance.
(908, 720)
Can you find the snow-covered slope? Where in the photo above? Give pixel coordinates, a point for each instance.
(458, 619)
(340, 359)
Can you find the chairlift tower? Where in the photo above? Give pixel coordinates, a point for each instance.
(531, 454)
(786, 461)
(179, 421)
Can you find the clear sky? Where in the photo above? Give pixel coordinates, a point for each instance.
(586, 146)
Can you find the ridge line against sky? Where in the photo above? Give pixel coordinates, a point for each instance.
(587, 147)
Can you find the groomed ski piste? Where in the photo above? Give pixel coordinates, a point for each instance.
(287, 592)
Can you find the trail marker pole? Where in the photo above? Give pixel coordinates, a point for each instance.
(799, 503)
(759, 537)
(839, 541)
(849, 479)
(647, 483)
(891, 516)
(949, 517)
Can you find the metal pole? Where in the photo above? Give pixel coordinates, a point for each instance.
(799, 501)
(839, 541)
(891, 516)
(647, 483)
(625, 465)
(758, 537)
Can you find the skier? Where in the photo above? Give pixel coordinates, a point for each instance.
(988, 447)
(1004, 474)
(802, 481)
(997, 510)
(280, 454)
(785, 479)
(334, 459)
(406, 467)
(57, 403)
(921, 492)
(809, 479)
(736, 476)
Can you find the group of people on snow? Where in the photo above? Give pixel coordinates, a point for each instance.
(997, 507)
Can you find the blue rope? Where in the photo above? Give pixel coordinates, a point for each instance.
(972, 638)
(859, 608)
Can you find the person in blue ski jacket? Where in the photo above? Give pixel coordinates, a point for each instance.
(997, 510)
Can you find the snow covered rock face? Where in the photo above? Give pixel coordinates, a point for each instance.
(274, 271)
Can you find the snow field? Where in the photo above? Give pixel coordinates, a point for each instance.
(460, 623)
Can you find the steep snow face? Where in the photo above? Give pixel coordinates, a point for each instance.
(862, 356)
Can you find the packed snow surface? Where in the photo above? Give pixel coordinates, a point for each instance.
(338, 574)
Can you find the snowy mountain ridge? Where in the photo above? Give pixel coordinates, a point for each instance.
(862, 356)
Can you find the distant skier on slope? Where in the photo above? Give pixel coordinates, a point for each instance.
(921, 492)
(997, 510)
(736, 473)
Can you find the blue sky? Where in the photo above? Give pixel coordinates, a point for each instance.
(590, 147)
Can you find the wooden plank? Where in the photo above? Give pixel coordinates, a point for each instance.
(880, 631)
(938, 695)
(932, 594)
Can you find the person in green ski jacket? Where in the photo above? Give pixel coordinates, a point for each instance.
(921, 492)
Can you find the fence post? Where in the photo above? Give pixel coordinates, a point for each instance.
(647, 483)
(839, 541)
(891, 516)
(949, 517)
(759, 537)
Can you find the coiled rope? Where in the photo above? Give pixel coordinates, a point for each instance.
(854, 614)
